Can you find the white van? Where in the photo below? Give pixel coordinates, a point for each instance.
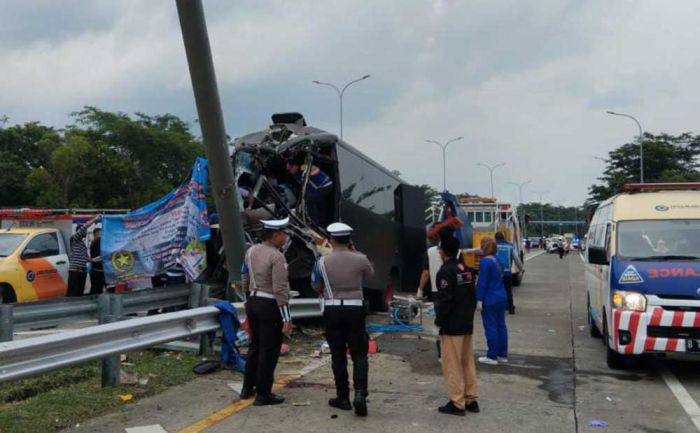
(643, 271)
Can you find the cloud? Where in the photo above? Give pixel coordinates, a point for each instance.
(527, 83)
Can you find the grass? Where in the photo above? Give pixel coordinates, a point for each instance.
(64, 398)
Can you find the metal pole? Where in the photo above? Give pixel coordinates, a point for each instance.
(491, 169)
(340, 95)
(211, 120)
(520, 198)
(111, 365)
(7, 322)
(205, 345)
(641, 142)
(444, 158)
(444, 169)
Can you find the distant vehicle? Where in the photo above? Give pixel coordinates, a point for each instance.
(643, 271)
(535, 243)
(575, 244)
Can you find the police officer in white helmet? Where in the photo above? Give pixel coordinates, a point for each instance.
(340, 277)
(266, 284)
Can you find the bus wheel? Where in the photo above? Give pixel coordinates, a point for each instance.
(592, 328)
(615, 360)
(7, 294)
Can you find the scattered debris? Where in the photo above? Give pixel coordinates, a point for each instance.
(598, 423)
(143, 381)
(552, 331)
(157, 428)
(334, 416)
(127, 378)
(126, 397)
(581, 328)
(123, 357)
(301, 403)
(284, 349)
(609, 399)
(316, 354)
(325, 348)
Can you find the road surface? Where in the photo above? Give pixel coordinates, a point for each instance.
(556, 381)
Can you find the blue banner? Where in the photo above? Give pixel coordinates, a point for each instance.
(170, 231)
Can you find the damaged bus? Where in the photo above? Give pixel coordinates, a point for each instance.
(386, 212)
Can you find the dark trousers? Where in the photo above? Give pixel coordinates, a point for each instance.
(317, 205)
(508, 282)
(265, 322)
(97, 282)
(76, 283)
(345, 329)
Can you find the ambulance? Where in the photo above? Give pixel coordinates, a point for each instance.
(34, 252)
(643, 271)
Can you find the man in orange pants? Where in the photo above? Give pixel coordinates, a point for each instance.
(454, 308)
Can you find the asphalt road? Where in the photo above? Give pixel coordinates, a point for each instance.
(556, 381)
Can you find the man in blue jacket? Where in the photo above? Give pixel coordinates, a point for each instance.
(507, 256)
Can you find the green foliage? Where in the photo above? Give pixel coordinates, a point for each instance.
(105, 160)
(667, 158)
(550, 214)
(430, 195)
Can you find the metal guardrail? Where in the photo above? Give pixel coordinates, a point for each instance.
(24, 358)
(43, 314)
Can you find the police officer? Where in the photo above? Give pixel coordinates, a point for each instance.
(266, 282)
(340, 277)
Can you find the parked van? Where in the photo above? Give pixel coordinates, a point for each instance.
(643, 271)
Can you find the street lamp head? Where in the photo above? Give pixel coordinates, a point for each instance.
(612, 112)
(366, 76)
(316, 82)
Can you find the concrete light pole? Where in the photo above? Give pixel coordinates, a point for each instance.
(541, 194)
(341, 92)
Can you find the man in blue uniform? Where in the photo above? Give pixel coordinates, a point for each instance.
(507, 256)
(318, 190)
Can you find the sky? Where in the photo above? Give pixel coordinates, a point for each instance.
(525, 83)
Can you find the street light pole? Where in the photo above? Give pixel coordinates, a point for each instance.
(491, 169)
(520, 189)
(541, 194)
(641, 142)
(444, 160)
(341, 92)
(559, 206)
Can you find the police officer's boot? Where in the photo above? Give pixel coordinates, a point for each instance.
(340, 402)
(360, 402)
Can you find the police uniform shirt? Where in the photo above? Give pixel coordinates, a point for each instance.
(346, 271)
(455, 299)
(265, 270)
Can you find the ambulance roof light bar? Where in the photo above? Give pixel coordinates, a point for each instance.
(662, 186)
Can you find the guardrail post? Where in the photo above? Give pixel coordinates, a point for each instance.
(111, 365)
(195, 295)
(7, 322)
(103, 307)
(205, 345)
(116, 306)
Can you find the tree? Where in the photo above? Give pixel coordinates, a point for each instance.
(430, 195)
(667, 158)
(105, 160)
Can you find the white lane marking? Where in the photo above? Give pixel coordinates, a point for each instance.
(582, 259)
(534, 255)
(686, 401)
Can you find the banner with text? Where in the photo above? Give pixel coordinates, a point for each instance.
(172, 230)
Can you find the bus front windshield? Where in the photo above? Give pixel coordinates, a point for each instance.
(659, 240)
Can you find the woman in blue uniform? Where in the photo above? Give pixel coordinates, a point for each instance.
(491, 294)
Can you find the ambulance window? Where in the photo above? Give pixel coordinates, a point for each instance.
(45, 244)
